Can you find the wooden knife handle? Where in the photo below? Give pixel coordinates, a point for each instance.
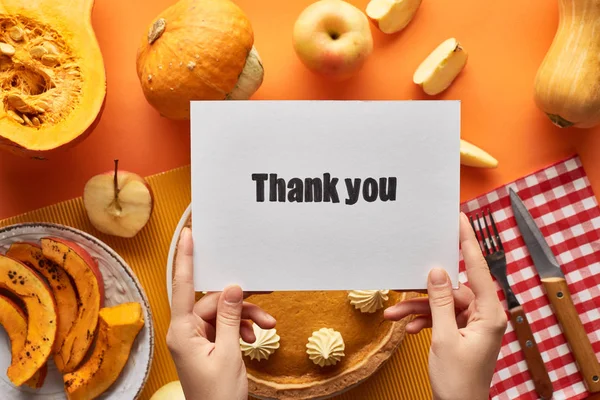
(537, 369)
(571, 325)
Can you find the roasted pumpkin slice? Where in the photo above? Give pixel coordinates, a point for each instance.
(41, 310)
(52, 75)
(14, 321)
(118, 329)
(60, 284)
(84, 272)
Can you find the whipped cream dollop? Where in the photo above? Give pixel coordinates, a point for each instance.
(325, 347)
(267, 341)
(368, 301)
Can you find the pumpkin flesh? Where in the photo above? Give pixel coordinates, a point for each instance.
(117, 331)
(567, 84)
(24, 283)
(14, 321)
(60, 284)
(84, 273)
(53, 83)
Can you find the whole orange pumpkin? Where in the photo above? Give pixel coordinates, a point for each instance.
(198, 50)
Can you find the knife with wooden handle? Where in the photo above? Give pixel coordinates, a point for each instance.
(558, 293)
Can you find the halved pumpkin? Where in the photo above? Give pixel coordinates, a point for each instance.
(118, 328)
(41, 310)
(52, 75)
(62, 289)
(84, 272)
(14, 321)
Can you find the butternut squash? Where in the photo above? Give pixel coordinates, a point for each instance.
(23, 282)
(62, 289)
(14, 321)
(51, 74)
(84, 272)
(567, 83)
(118, 329)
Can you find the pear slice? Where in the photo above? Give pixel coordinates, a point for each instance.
(473, 156)
(441, 67)
(391, 16)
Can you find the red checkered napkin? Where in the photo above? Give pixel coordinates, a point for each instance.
(561, 200)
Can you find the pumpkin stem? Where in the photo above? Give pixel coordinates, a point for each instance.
(117, 206)
(559, 121)
(156, 30)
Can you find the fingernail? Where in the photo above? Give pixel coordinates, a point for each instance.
(438, 277)
(270, 318)
(233, 295)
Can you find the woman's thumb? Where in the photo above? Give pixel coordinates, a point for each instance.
(441, 302)
(229, 314)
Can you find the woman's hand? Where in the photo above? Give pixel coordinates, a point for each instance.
(467, 325)
(204, 338)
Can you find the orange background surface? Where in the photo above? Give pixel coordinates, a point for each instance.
(506, 42)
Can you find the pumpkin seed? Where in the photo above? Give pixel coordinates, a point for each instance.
(50, 48)
(42, 105)
(16, 33)
(191, 65)
(15, 116)
(7, 49)
(50, 60)
(35, 121)
(16, 102)
(149, 77)
(27, 120)
(38, 52)
(74, 73)
(156, 30)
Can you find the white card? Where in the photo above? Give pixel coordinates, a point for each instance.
(401, 222)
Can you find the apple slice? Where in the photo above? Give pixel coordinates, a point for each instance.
(23, 282)
(118, 328)
(118, 203)
(62, 289)
(87, 278)
(391, 16)
(14, 321)
(441, 67)
(473, 156)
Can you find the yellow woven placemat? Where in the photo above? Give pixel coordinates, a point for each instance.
(403, 377)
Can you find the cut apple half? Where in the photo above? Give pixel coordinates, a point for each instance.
(62, 289)
(84, 272)
(118, 329)
(473, 156)
(14, 321)
(437, 72)
(118, 203)
(24, 283)
(391, 16)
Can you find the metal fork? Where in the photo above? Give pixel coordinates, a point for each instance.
(495, 256)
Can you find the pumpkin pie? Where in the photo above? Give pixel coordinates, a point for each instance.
(284, 369)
